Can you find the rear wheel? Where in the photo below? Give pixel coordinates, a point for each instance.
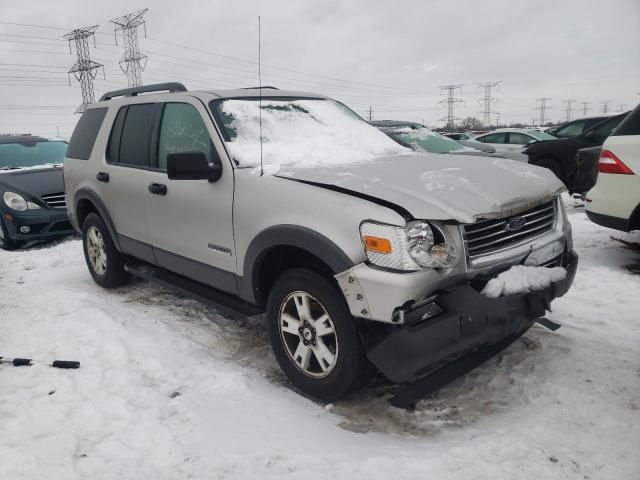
(6, 242)
(314, 338)
(105, 263)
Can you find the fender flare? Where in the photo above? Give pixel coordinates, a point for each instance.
(288, 235)
(90, 195)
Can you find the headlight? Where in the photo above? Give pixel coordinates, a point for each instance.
(17, 202)
(409, 248)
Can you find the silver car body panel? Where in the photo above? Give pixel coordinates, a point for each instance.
(442, 187)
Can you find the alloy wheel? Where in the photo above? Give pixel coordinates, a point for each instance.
(96, 251)
(308, 334)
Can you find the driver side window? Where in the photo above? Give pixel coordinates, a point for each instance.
(183, 130)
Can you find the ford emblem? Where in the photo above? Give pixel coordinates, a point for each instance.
(515, 224)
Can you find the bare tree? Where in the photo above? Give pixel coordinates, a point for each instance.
(471, 123)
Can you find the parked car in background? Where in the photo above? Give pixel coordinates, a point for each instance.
(375, 262)
(32, 201)
(510, 142)
(559, 155)
(614, 202)
(468, 140)
(575, 127)
(418, 137)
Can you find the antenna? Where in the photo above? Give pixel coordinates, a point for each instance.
(260, 94)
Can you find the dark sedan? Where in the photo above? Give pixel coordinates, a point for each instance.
(32, 201)
(559, 155)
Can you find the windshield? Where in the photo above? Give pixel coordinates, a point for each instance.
(30, 154)
(541, 135)
(427, 141)
(301, 132)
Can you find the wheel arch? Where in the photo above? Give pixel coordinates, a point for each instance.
(86, 201)
(279, 248)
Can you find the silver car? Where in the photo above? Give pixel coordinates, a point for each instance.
(364, 254)
(510, 142)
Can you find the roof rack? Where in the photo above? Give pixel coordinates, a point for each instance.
(264, 87)
(133, 91)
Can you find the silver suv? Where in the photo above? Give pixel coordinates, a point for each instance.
(364, 255)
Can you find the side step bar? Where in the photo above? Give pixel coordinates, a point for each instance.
(224, 302)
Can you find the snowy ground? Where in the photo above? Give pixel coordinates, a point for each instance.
(170, 389)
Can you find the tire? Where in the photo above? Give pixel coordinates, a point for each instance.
(6, 242)
(338, 376)
(105, 263)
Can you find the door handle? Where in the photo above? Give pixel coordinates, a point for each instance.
(158, 188)
(102, 177)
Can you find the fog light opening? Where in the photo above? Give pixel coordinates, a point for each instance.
(25, 229)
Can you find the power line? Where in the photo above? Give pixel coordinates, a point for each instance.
(84, 69)
(450, 101)
(134, 61)
(488, 100)
(569, 102)
(543, 108)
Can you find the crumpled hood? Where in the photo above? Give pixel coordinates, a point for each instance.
(34, 181)
(442, 187)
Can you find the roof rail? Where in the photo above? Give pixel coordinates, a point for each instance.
(133, 91)
(268, 87)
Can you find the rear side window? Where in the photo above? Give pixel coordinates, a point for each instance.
(493, 138)
(630, 125)
(130, 139)
(516, 138)
(85, 133)
(570, 130)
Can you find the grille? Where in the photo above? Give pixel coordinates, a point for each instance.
(55, 200)
(489, 236)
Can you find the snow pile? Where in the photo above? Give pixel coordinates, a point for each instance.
(307, 133)
(523, 279)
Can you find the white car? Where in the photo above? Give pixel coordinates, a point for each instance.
(509, 142)
(614, 202)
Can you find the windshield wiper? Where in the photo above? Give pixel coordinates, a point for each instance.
(9, 167)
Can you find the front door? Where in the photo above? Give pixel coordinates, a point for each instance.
(191, 221)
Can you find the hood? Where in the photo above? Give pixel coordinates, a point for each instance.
(442, 187)
(34, 181)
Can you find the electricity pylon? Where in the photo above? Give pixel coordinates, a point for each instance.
(132, 62)
(84, 69)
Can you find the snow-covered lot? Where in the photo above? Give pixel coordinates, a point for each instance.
(170, 389)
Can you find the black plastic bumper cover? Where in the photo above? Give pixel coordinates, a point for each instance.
(470, 321)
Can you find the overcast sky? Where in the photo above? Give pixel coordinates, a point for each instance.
(392, 56)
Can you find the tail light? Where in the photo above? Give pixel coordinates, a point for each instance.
(609, 163)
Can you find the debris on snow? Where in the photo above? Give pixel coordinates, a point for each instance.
(522, 279)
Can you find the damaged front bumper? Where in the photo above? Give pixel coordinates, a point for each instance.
(465, 321)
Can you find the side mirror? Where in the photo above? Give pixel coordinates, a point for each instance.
(192, 166)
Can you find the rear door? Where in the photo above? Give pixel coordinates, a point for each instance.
(124, 177)
(191, 223)
(516, 143)
(497, 140)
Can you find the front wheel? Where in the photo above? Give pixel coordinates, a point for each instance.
(105, 263)
(6, 242)
(314, 338)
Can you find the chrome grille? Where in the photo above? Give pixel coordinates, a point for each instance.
(488, 236)
(55, 200)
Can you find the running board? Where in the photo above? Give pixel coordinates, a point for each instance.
(224, 302)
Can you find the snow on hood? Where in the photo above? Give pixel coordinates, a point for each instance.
(442, 187)
(307, 133)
